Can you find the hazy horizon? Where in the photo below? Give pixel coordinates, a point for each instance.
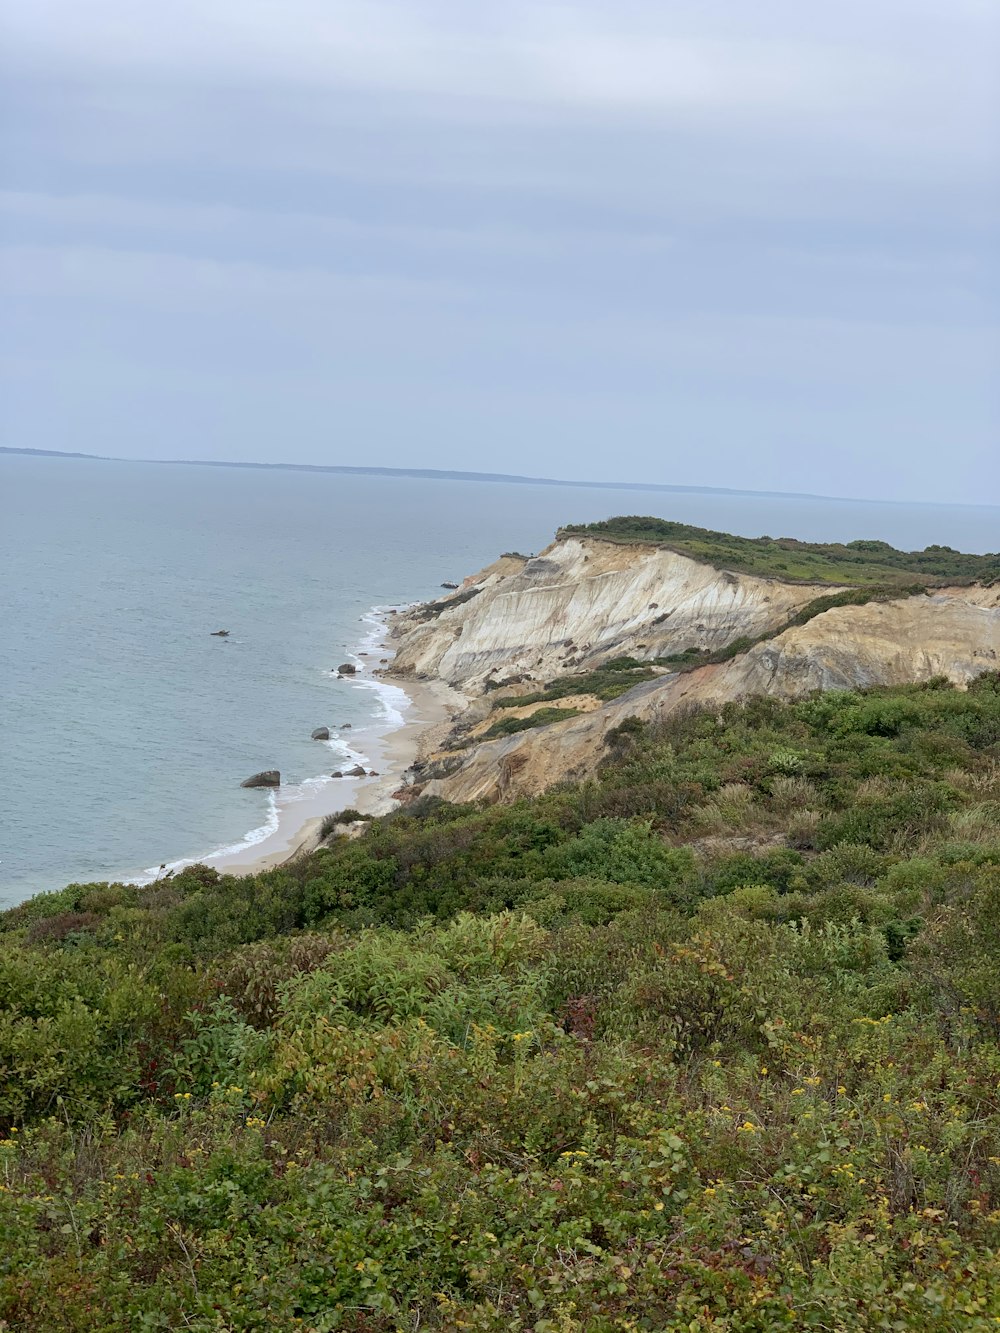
(440, 474)
(694, 244)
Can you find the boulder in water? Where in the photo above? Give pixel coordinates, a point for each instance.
(321, 734)
(220, 634)
(449, 585)
(356, 772)
(346, 669)
(270, 777)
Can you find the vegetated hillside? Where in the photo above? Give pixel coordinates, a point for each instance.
(709, 1041)
(858, 562)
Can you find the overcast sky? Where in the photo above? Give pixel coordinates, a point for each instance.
(696, 241)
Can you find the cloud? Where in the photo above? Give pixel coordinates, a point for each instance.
(586, 55)
(530, 227)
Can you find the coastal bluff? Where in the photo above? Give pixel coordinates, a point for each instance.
(582, 602)
(691, 633)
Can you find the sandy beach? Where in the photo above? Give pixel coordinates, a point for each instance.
(389, 751)
(413, 712)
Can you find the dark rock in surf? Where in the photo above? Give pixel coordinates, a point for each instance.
(270, 777)
(356, 772)
(449, 585)
(347, 669)
(321, 734)
(220, 634)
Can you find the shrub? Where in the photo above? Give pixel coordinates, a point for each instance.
(539, 1065)
(856, 562)
(541, 717)
(348, 816)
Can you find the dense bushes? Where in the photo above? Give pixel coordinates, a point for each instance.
(606, 682)
(707, 1042)
(541, 717)
(857, 562)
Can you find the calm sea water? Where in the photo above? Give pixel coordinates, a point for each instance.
(126, 728)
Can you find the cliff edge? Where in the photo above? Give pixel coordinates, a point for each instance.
(528, 639)
(583, 602)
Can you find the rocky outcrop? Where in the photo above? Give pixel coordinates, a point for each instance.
(346, 669)
(582, 602)
(270, 777)
(954, 632)
(321, 734)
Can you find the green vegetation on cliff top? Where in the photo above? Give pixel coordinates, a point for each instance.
(707, 1042)
(858, 562)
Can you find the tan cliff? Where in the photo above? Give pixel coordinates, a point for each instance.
(582, 602)
(587, 601)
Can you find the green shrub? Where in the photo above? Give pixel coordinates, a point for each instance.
(857, 562)
(543, 1065)
(541, 717)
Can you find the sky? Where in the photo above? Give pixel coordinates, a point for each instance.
(701, 242)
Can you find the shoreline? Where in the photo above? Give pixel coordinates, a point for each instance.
(389, 745)
(391, 752)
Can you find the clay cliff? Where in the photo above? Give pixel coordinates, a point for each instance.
(582, 602)
(520, 624)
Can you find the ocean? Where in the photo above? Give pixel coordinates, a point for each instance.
(126, 727)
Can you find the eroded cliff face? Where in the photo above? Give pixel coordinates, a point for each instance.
(583, 602)
(954, 633)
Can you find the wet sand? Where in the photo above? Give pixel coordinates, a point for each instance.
(390, 753)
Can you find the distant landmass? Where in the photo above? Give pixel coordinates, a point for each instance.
(433, 474)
